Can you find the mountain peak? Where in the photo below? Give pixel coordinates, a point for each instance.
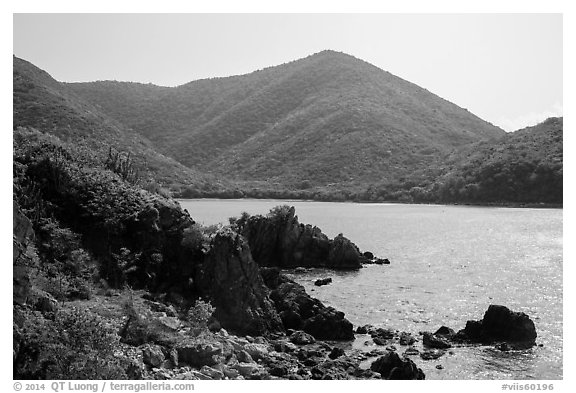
(330, 54)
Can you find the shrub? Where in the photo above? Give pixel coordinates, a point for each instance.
(122, 164)
(238, 223)
(279, 213)
(78, 344)
(198, 236)
(143, 325)
(199, 314)
(66, 269)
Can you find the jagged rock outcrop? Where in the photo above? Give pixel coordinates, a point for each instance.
(280, 240)
(231, 279)
(500, 324)
(300, 311)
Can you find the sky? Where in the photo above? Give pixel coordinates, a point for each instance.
(505, 68)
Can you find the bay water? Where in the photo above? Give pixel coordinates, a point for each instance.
(448, 264)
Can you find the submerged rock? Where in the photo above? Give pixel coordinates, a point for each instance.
(322, 281)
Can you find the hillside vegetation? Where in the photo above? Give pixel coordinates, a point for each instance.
(327, 127)
(327, 119)
(51, 107)
(525, 166)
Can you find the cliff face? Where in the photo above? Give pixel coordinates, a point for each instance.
(231, 279)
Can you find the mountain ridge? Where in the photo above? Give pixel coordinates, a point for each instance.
(327, 127)
(241, 126)
(42, 103)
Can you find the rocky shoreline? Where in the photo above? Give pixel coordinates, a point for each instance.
(116, 282)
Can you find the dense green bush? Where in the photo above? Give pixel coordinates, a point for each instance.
(238, 223)
(77, 344)
(109, 212)
(199, 314)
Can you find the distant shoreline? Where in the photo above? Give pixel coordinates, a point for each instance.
(515, 205)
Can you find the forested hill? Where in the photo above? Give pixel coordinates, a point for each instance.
(326, 119)
(327, 127)
(50, 107)
(525, 166)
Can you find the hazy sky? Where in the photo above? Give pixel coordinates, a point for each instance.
(505, 68)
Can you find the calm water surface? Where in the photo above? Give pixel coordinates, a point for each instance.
(448, 264)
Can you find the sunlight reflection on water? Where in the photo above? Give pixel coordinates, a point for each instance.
(448, 264)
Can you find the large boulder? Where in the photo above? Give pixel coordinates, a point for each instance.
(152, 355)
(329, 324)
(302, 338)
(280, 240)
(199, 354)
(391, 366)
(500, 324)
(433, 341)
(299, 311)
(231, 279)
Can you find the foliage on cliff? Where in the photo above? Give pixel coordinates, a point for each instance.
(133, 232)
